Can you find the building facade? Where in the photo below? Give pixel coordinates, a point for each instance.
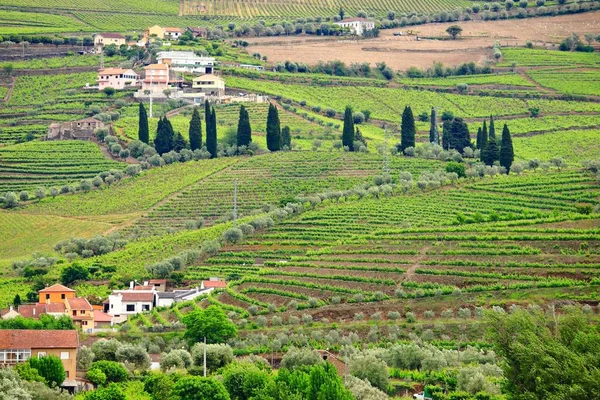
(210, 85)
(186, 61)
(81, 129)
(117, 78)
(358, 26)
(156, 78)
(106, 39)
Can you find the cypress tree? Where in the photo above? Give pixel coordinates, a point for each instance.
(484, 140)
(358, 137)
(211, 134)
(195, 132)
(407, 129)
(244, 131)
(492, 133)
(479, 134)
(507, 153)
(459, 137)
(286, 138)
(491, 153)
(179, 142)
(446, 134)
(273, 129)
(163, 143)
(348, 132)
(143, 131)
(434, 132)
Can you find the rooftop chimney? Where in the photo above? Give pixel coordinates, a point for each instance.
(131, 285)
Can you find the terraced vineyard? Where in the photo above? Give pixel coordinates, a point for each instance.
(502, 239)
(568, 81)
(28, 166)
(269, 179)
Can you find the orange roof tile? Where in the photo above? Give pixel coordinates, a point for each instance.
(79, 303)
(58, 287)
(38, 339)
(100, 316)
(214, 284)
(129, 296)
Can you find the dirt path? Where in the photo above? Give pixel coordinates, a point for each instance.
(10, 90)
(410, 272)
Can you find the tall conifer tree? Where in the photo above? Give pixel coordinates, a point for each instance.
(195, 131)
(163, 143)
(143, 130)
(479, 134)
(244, 131)
(434, 132)
(492, 132)
(348, 132)
(446, 134)
(459, 137)
(286, 138)
(273, 129)
(484, 140)
(491, 151)
(407, 129)
(507, 153)
(211, 130)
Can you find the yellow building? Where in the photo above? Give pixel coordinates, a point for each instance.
(55, 294)
(155, 31)
(209, 84)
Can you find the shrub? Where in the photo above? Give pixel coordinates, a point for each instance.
(114, 371)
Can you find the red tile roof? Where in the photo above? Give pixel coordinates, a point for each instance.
(169, 29)
(37, 339)
(58, 287)
(157, 281)
(55, 307)
(79, 303)
(27, 310)
(143, 287)
(129, 296)
(214, 284)
(100, 316)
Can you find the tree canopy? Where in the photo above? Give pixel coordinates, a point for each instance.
(407, 129)
(454, 31)
(211, 323)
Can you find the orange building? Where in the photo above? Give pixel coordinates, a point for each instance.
(55, 294)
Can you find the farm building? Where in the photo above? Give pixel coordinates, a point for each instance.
(358, 26)
(81, 129)
(106, 39)
(186, 61)
(155, 31)
(210, 85)
(173, 33)
(197, 32)
(117, 78)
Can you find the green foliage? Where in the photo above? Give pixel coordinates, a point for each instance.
(547, 356)
(195, 132)
(368, 367)
(211, 323)
(114, 371)
(407, 129)
(111, 392)
(434, 133)
(200, 388)
(11, 387)
(143, 130)
(28, 373)
(73, 273)
(507, 153)
(217, 355)
(244, 380)
(164, 140)
(459, 135)
(300, 357)
(160, 386)
(50, 368)
(457, 168)
(244, 131)
(45, 321)
(210, 119)
(274, 139)
(348, 131)
(454, 31)
(96, 376)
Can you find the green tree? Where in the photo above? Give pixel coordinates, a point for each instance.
(479, 138)
(547, 356)
(492, 130)
(407, 129)
(200, 388)
(28, 373)
(17, 301)
(454, 31)
(244, 380)
(111, 392)
(459, 135)
(348, 131)
(434, 132)
(507, 153)
(109, 91)
(211, 323)
(195, 132)
(273, 129)
(179, 142)
(484, 140)
(368, 367)
(11, 386)
(163, 142)
(50, 368)
(160, 386)
(211, 131)
(74, 272)
(114, 371)
(286, 138)
(244, 130)
(143, 130)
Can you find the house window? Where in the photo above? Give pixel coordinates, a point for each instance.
(130, 307)
(64, 355)
(83, 322)
(82, 312)
(47, 296)
(62, 296)
(41, 354)
(145, 307)
(112, 306)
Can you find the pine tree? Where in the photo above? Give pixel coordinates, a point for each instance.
(348, 132)
(211, 129)
(407, 129)
(163, 143)
(507, 153)
(434, 132)
(484, 140)
(459, 137)
(179, 142)
(273, 129)
(195, 132)
(446, 134)
(143, 131)
(286, 138)
(244, 131)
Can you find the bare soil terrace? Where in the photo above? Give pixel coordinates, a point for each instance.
(402, 52)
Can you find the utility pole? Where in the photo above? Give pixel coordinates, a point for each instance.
(235, 214)
(102, 58)
(205, 356)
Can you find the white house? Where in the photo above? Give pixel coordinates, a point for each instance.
(186, 61)
(358, 26)
(173, 33)
(122, 303)
(209, 84)
(117, 78)
(252, 67)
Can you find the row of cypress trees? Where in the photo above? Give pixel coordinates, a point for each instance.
(490, 150)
